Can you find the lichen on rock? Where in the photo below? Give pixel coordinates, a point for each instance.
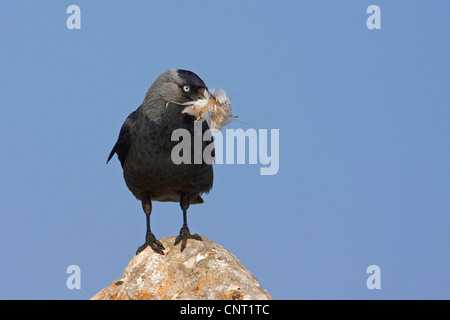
(204, 270)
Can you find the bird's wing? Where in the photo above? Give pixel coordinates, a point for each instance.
(123, 142)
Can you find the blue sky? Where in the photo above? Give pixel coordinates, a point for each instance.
(363, 117)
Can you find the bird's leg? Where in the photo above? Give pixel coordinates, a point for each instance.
(184, 232)
(150, 239)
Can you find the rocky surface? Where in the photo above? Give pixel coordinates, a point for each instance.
(204, 270)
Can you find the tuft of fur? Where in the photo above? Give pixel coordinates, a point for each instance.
(215, 107)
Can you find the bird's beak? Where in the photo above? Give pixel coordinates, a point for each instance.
(203, 93)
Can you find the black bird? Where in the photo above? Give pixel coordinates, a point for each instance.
(144, 150)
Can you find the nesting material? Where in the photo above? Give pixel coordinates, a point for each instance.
(217, 108)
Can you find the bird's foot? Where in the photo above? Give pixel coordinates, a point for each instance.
(184, 236)
(150, 240)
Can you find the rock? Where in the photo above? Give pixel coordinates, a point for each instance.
(204, 270)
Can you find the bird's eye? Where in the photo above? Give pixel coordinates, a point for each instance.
(186, 88)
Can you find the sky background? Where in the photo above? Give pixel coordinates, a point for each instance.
(363, 117)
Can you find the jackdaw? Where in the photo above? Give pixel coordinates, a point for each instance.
(144, 150)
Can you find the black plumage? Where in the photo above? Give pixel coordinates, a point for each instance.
(144, 149)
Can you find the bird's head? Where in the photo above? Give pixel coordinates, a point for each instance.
(177, 85)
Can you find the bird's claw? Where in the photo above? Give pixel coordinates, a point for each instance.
(184, 236)
(150, 240)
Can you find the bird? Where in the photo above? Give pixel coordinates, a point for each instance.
(144, 149)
